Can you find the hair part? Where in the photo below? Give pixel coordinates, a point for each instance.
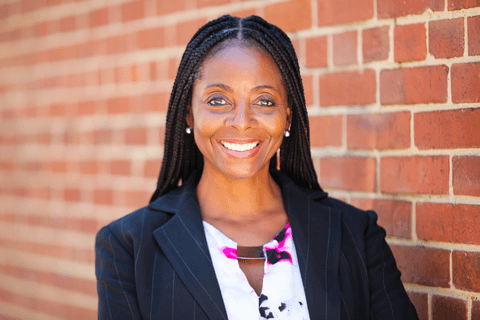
(181, 155)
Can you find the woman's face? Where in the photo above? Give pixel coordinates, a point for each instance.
(239, 112)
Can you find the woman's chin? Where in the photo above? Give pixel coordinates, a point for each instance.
(241, 172)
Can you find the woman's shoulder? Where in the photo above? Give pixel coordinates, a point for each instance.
(357, 220)
(142, 221)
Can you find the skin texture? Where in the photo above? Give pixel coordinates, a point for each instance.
(240, 98)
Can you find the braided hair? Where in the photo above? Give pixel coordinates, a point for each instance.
(181, 155)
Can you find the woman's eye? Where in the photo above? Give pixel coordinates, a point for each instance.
(217, 101)
(266, 103)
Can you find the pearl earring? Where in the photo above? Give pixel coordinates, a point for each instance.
(188, 130)
(287, 133)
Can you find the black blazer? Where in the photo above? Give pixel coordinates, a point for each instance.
(154, 263)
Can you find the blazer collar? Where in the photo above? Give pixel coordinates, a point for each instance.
(316, 233)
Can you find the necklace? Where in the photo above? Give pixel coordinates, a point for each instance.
(250, 253)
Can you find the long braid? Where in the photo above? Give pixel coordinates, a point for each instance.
(181, 155)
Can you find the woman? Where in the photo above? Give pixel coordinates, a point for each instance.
(240, 239)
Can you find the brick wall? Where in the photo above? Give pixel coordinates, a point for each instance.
(393, 91)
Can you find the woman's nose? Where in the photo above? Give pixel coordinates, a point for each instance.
(242, 115)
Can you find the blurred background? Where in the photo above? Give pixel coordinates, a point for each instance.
(393, 93)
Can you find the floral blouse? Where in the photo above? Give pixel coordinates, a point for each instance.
(282, 296)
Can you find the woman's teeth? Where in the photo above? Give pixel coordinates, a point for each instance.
(240, 146)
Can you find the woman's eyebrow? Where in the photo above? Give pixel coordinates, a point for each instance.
(258, 88)
(229, 89)
(221, 86)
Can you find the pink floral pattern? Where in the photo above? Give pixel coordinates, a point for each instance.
(282, 296)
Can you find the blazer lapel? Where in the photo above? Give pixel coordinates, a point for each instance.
(182, 239)
(316, 231)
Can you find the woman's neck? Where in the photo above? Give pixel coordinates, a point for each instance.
(222, 198)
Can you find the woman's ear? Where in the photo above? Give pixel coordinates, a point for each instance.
(190, 116)
(289, 118)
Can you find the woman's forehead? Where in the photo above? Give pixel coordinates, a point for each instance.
(236, 63)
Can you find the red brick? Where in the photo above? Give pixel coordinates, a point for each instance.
(208, 3)
(398, 8)
(86, 108)
(423, 266)
(57, 166)
(137, 199)
(316, 52)
(168, 6)
(67, 24)
(120, 167)
(71, 195)
(244, 13)
(136, 136)
(345, 48)
(393, 215)
(475, 310)
(103, 136)
(447, 129)
(307, 81)
(379, 131)
(47, 307)
(153, 71)
(32, 166)
(29, 6)
(410, 42)
(343, 11)
(4, 12)
(473, 27)
(133, 10)
(417, 174)
(466, 173)
(348, 88)
(89, 167)
(151, 168)
(466, 82)
(462, 4)
(57, 110)
(465, 270)
(186, 30)
(151, 38)
(448, 223)
(155, 102)
(98, 17)
(290, 16)
(172, 68)
(55, 279)
(414, 85)
(376, 44)
(447, 308)
(348, 173)
(103, 196)
(40, 29)
(117, 44)
(420, 301)
(119, 105)
(42, 193)
(326, 130)
(446, 38)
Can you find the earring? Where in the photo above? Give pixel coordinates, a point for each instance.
(287, 134)
(188, 130)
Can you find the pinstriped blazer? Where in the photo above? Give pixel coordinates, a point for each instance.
(154, 263)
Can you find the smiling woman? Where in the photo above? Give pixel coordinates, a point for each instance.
(239, 227)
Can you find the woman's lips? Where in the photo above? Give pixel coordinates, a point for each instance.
(240, 148)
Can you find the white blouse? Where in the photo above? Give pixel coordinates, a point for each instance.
(283, 295)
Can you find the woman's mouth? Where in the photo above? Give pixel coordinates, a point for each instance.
(241, 147)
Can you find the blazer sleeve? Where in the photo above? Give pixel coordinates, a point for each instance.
(388, 298)
(114, 269)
